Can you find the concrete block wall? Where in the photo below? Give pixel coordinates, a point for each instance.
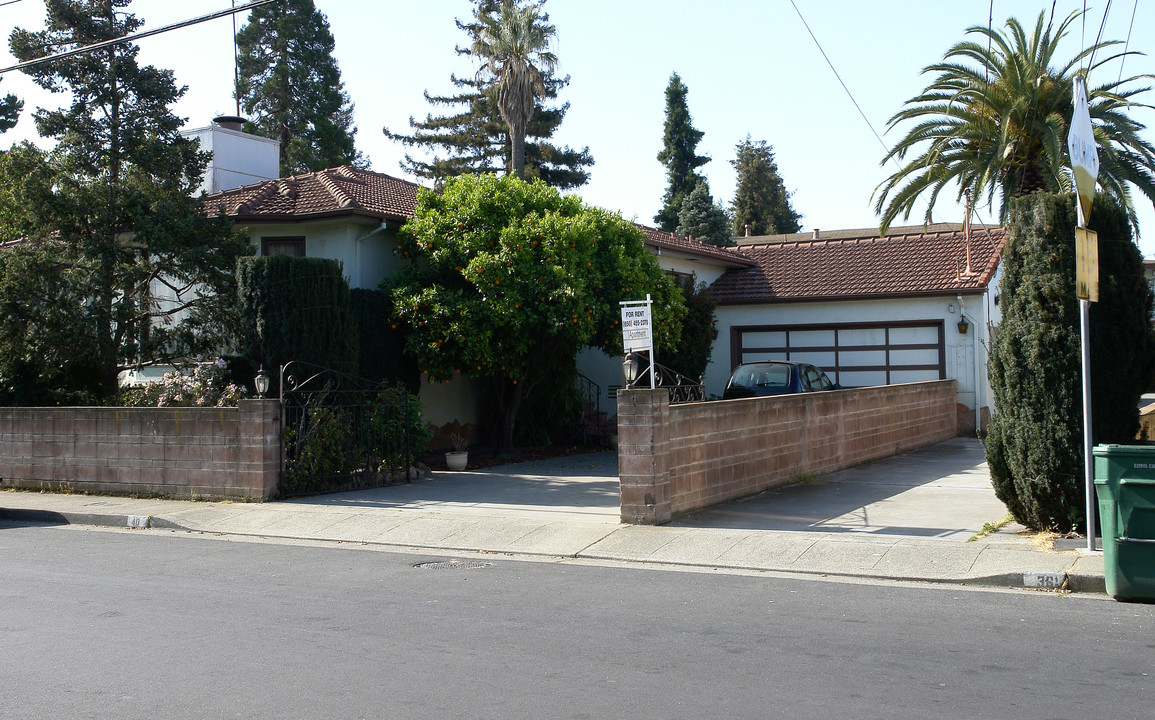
(675, 459)
(210, 453)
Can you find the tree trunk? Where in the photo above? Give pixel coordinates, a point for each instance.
(511, 400)
(517, 160)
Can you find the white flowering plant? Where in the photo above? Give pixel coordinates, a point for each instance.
(196, 384)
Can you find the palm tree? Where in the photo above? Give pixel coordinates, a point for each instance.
(1003, 124)
(513, 45)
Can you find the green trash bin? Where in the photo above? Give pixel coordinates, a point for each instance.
(1125, 487)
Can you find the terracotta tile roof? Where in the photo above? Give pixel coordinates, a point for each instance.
(660, 239)
(349, 190)
(344, 190)
(863, 267)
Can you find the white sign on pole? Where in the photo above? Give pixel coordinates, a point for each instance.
(637, 330)
(1084, 150)
(1085, 167)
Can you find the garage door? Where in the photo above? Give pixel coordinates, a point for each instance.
(852, 354)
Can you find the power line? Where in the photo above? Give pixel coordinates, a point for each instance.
(832, 69)
(848, 93)
(1127, 45)
(137, 36)
(1099, 37)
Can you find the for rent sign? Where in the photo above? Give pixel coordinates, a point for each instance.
(637, 328)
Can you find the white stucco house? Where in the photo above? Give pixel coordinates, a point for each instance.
(868, 309)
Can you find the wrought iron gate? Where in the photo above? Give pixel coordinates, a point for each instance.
(342, 431)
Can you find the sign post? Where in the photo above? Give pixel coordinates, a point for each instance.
(638, 329)
(1085, 169)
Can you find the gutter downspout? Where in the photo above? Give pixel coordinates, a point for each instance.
(975, 344)
(383, 226)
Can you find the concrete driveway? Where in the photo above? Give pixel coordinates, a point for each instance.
(942, 491)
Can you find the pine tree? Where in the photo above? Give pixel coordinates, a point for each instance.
(760, 199)
(476, 139)
(291, 87)
(679, 154)
(10, 107)
(114, 198)
(703, 219)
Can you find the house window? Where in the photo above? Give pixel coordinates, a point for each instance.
(292, 246)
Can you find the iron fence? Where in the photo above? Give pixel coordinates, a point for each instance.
(343, 431)
(682, 389)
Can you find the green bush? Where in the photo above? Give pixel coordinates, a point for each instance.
(698, 331)
(296, 309)
(381, 342)
(1034, 442)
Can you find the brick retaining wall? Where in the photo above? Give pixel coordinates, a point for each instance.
(168, 452)
(675, 459)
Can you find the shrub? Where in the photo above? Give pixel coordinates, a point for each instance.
(296, 309)
(200, 384)
(381, 343)
(1034, 442)
(698, 331)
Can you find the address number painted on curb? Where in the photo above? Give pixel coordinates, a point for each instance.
(1044, 580)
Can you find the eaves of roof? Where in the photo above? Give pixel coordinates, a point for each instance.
(663, 240)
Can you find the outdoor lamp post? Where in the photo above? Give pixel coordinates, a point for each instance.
(630, 369)
(261, 381)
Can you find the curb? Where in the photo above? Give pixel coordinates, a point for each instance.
(1047, 581)
(51, 517)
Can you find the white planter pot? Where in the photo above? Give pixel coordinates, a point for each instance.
(457, 460)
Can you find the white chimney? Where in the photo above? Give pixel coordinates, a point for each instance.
(238, 158)
(816, 233)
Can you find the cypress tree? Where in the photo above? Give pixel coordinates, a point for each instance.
(1034, 445)
(290, 85)
(703, 219)
(473, 139)
(679, 154)
(296, 309)
(761, 199)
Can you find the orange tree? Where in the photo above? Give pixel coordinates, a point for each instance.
(510, 280)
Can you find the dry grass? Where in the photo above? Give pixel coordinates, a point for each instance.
(1044, 540)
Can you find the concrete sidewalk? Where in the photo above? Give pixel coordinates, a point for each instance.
(904, 518)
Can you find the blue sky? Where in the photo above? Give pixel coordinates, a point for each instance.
(751, 68)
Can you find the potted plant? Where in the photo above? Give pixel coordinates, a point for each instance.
(457, 458)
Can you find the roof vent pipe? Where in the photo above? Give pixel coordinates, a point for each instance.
(816, 233)
(747, 229)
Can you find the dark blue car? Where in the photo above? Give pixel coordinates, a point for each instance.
(775, 377)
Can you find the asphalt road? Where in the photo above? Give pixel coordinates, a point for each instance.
(117, 624)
